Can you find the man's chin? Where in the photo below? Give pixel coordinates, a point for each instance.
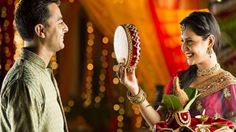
(62, 46)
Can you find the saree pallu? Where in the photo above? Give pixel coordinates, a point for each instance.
(218, 96)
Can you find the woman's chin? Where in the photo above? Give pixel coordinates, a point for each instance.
(190, 62)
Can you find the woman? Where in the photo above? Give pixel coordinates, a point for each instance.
(200, 42)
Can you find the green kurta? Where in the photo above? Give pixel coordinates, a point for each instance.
(30, 100)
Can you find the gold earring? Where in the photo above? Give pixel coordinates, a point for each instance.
(209, 52)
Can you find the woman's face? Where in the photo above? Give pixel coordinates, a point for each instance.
(194, 47)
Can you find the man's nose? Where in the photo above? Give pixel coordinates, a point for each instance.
(65, 28)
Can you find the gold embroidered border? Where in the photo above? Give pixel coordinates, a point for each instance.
(215, 83)
(130, 48)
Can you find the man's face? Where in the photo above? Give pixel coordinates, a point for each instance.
(55, 29)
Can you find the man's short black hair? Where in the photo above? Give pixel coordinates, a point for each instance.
(29, 13)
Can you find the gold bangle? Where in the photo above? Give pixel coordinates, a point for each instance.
(137, 99)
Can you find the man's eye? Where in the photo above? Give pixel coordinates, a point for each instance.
(61, 22)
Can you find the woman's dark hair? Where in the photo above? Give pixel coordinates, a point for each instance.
(29, 13)
(202, 24)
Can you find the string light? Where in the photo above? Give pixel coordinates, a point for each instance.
(103, 71)
(138, 117)
(6, 36)
(87, 92)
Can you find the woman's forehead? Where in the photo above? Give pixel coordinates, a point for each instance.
(187, 32)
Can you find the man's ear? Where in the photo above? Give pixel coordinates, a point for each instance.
(39, 30)
(211, 40)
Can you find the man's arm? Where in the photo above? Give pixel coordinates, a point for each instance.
(23, 107)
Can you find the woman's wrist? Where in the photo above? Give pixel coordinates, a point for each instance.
(138, 98)
(134, 90)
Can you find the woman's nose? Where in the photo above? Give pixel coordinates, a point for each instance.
(183, 47)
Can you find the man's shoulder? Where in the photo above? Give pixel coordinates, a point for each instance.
(21, 70)
(19, 79)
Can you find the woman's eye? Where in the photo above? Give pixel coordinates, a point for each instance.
(189, 42)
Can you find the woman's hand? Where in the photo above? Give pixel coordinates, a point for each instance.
(128, 78)
(183, 97)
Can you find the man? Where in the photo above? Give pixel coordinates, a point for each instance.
(29, 98)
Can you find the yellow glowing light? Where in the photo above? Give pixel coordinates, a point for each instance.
(119, 130)
(9, 2)
(120, 118)
(87, 103)
(102, 77)
(136, 112)
(113, 55)
(88, 79)
(120, 124)
(88, 86)
(71, 103)
(67, 109)
(105, 40)
(116, 107)
(4, 12)
(90, 66)
(90, 29)
(89, 49)
(71, 1)
(102, 88)
(90, 42)
(54, 65)
(105, 64)
(115, 80)
(121, 99)
(137, 125)
(104, 52)
(7, 67)
(6, 23)
(139, 119)
(115, 68)
(0, 67)
(122, 111)
(97, 99)
(134, 107)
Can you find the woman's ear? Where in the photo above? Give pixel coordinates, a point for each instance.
(39, 30)
(211, 40)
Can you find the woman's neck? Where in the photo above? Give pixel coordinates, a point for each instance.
(208, 63)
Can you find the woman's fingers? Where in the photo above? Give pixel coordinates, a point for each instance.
(177, 84)
(121, 72)
(176, 87)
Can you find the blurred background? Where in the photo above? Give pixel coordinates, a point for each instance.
(85, 69)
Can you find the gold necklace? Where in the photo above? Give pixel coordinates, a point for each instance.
(206, 72)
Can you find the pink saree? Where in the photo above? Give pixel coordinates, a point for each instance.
(218, 96)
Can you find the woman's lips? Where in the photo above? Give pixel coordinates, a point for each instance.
(189, 55)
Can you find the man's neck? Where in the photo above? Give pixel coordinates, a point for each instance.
(40, 50)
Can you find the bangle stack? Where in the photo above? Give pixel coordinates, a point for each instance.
(137, 99)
